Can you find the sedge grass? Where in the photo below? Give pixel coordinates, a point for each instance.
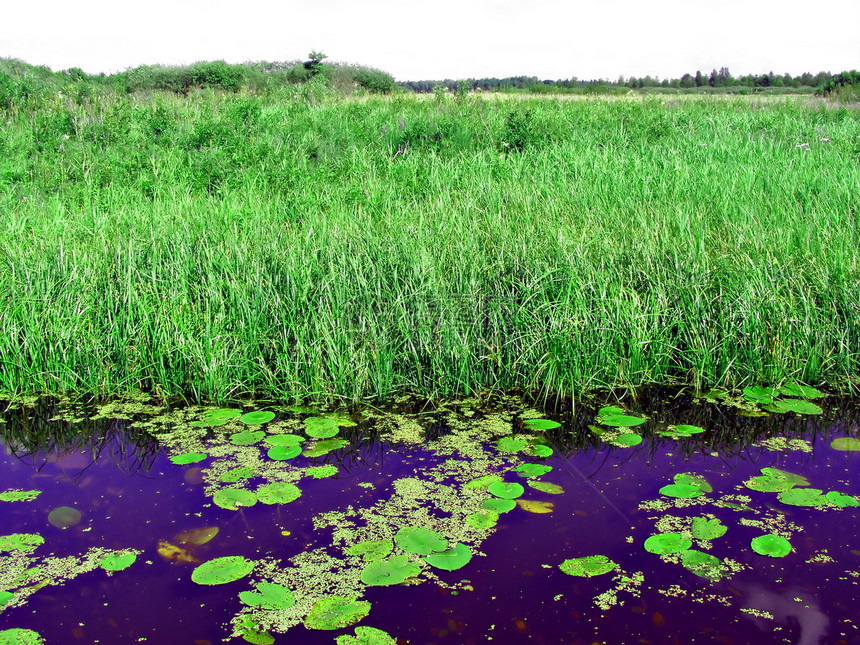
(217, 245)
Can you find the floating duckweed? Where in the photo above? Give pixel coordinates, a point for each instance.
(587, 566)
(322, 472)
(336, 612)
(19, 495)
(222, 570)
(257, 418)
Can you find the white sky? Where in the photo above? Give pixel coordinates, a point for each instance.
(420, 39)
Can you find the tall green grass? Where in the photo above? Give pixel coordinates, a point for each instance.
(303, 245)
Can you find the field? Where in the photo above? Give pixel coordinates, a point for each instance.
(303, 245)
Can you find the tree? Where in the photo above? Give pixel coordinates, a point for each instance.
(314, 63)
(699, 79)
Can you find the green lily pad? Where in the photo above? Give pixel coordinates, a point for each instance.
(615, 417)
(840, 499)
(482, 482)
(251, 633)
(5, 597)
(19, 495)
(802, 497)
(758, 394)
(626, 440)
(532, 470)
(801, 391)
(541, 424)
(419, 540)
(546, 487)
(257, 418)
(19, 636)
(793, 405)
(222, 570)
(324, 447)
(542, 451)
(771, 545)
(667, 543)
(336, 612)
(236, 474)
(278, 493)
(768, 484)
(588, 566)
(456, 557)
(393, 571)
(680, 431)
(321, 427)
(511, 444)
(371, 550)
(499, 505)
(322, 472)
(188, 458)
(702, 564)
(246, 437)
(284, 440)
(270, 596)
(366, 636)
(846, 444)
(693, 480)
(64, 517)
(117, 561)
(220, 417)
(683, 491)
(708, 529)
(483, 521)
(20, 541)
(282, 453)
(797, 480)
(506, 490)
(233, 498)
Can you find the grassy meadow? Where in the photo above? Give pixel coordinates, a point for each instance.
(302, 244)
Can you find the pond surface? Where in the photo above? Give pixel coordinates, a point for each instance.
(348, 532)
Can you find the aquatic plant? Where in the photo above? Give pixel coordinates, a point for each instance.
(233, 498)
(19, 495)
(506, 490)
(336, 612)
(703, 564)
(366, 636)
(223, 570)
(371, 550)
(393, 571)
(771, 545)
(246, 437)
(546, 487)
(588, 566)
(541, 424)
(419, 540)
(20, 541)
(667, 543)
(257, 418)
(64, 517)
(278, 493)
(188, 458)
(451, 559)
(268, 596)
(117, 561)
(19, 636)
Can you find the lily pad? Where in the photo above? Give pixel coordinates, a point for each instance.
(546, 487)
(336, 612)
(840, 499)
(322, 472)
(285, 440)
(456, 557)
(768, 484)
(506, 490)
(220, 417)
(708, 529)
(797, 480)
(321, 427)
(117, 561)
(366, 636)
(532, 470)
(19, 495)
(482, 482)
(615, 417)
(324, 447)
(483, 521)
(251, 633)
(278, 493)
(846, 444)
(541, 424)
(257, 418)
(499, 505)
(5, 597)
(19, 636)
(197, 537)
(20, 541)
(246, 437)
(797, 406)
(542, 451)
(693, 480)
(283, 453)
(64, 516)
(758, 394)
(233, 498)
(683, 491)
(535, 506)
(236, 474)
(222, 570)
(680, 431)
(802, 391)
(588, 566)
(771, 545)
(269, 596)
(188, 458)
(371, 550)
(667, 543)
(802, 497)
(511, 444)
(419, 540)
(627, 440)
(393, 571)
(702, 564)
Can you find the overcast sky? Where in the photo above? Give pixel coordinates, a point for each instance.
(417, 39)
